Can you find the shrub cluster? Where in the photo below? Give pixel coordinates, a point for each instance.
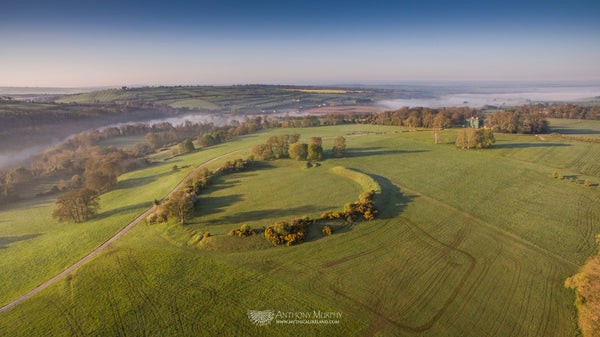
(327, 230)
(237, 165)
(363, 207)
(283, 232)
(559, 176)
(475, 139)
(243, 231)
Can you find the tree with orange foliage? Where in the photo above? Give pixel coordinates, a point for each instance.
(587, 287)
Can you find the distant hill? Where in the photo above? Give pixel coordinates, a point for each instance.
(25, 124)
(244, 99)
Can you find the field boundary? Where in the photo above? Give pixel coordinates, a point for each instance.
(364, 180)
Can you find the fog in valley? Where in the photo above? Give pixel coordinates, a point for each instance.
(500, 95)
(15, 158)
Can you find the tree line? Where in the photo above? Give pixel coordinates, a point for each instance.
(567, 111)
(524, 119)
(288, 146)
(519, 121)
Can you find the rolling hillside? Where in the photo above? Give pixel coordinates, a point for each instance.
(247, 99)
(468, 243)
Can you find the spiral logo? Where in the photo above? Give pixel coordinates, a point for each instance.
(261, 318)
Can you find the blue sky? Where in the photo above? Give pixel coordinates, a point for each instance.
(93, 43)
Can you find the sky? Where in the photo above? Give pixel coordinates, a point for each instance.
(112, 43)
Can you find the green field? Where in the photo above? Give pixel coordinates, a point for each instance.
(576, 127)
(122, 142)
(235, 99)
(468, 243)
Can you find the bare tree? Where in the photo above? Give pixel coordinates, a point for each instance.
(76, 206)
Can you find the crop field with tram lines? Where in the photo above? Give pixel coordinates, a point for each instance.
(467, 243)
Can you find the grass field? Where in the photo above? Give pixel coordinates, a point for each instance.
(234, 99)
(122, 142)
(576, 127)
(35, 246)
(468, 243)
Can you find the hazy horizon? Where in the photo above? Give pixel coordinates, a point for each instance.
(112, 43)
(461, 84)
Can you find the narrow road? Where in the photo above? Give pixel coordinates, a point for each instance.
(107, 243)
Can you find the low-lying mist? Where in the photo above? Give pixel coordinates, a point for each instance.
(10, 158)
(217, 120)
(15, 158)
(500, 96)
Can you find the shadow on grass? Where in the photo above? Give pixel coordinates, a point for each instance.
(220, 185)
(103, 215)
(167, 161)
(315, 231)
(526, 145)
(134, 182)
(391, 202)
(567, 131)
(6, 240)
(360, 153)
(229, 180)
(214, 205)
(260, 165)
(280, 214)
